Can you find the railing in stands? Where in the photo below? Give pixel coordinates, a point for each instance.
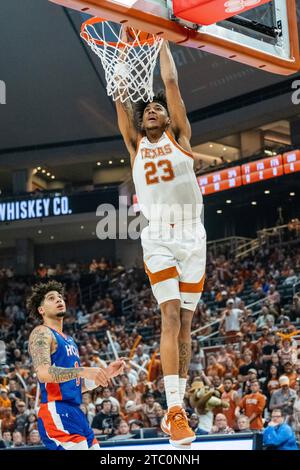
(270, 237)
(230, 242)
(205, 338)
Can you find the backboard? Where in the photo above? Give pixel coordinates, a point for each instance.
(265, 37)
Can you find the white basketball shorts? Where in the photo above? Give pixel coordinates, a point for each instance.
(175, 259)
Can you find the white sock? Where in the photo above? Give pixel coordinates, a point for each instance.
(172, 390)
(182, 387)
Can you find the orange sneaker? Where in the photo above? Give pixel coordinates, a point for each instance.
(176, 425)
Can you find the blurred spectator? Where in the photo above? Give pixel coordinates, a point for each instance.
(221, 425)
(140, 357)
(133, 412)
(295, 309)
(103, 420)
(5, 402)
(244, 369)
(214, 368)
(289, 371)
(21, 416)
(296, 411)
(160, 394)
(151, 411)
(273, 296)
(279, 435)
(243, 424)
(194, 422)
(135, 425)
(7, 423)
(34, 438)
(7, 439)
(31, 423)
(232, 398)
(123, 432)
(271, 382)
(253, 406)
(283, 398)
(288, 353)
(107, 395)
(268, 350)
(18, 440)
(264, 318)
(230, 321)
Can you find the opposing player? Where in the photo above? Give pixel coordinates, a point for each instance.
(61, 423)
(157, 135)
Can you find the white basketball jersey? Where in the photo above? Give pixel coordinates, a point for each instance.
(165, 182)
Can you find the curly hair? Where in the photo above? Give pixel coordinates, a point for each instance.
(38, 293)
(140, 107)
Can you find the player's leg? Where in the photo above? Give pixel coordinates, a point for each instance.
(161, 267)
(61, 428)
(192, 276)
(184, 348)
(169, 353)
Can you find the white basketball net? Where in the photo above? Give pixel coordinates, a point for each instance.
(128, 67)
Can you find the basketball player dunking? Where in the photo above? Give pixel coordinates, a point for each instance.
(157, 135)
(61, 423)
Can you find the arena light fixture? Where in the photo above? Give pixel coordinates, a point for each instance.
(110, 162)
(219, 211)
(98, 163)
(254, 203)
(292, 194)
(228, 201)
(267, 191)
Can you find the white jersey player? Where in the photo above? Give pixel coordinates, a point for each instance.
(157, 136)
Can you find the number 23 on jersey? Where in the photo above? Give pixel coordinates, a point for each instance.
(158, 172)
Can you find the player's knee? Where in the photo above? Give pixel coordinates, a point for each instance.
(186, 323)
(171, 322)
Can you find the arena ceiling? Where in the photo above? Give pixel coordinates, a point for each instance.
(57, 109)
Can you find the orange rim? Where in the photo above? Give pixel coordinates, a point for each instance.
(87, 36)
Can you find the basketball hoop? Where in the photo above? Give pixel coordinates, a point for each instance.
(128, 65)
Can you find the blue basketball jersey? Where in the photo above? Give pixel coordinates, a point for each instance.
(66, 355)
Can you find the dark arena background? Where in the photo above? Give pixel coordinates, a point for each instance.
(69, 212)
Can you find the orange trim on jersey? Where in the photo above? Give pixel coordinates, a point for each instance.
(53, 431)
(53, 392)
(95, 442)
(163, 275)
(192, 287)
(177, 145)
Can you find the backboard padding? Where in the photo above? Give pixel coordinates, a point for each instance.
(153, 16)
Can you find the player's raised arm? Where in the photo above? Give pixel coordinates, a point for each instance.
(125, 113)
(40, 351)
(177, 111)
